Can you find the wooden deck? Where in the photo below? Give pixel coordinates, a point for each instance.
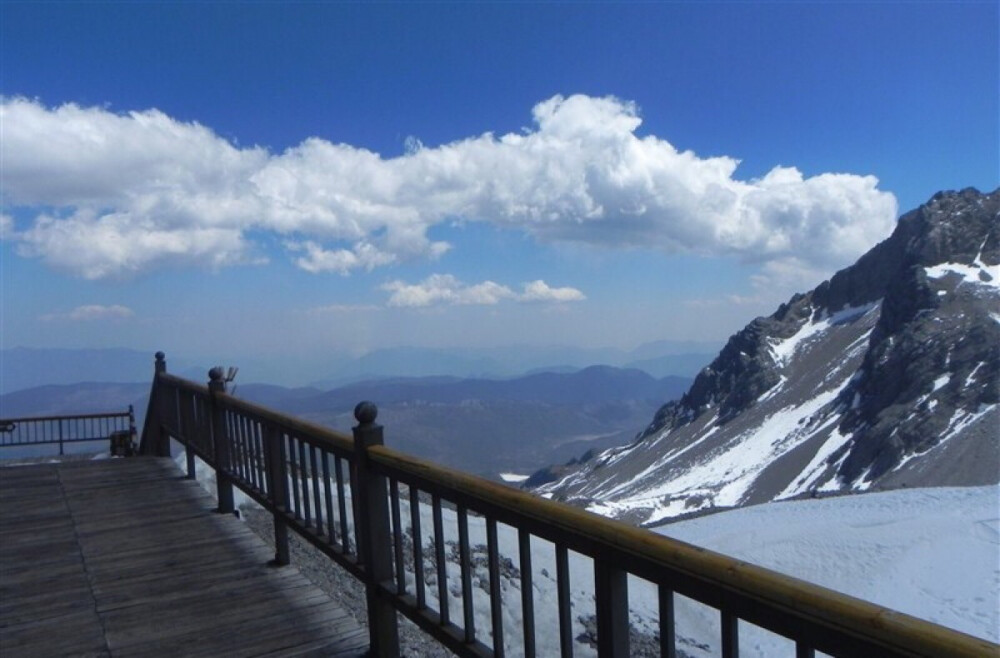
(124, 557)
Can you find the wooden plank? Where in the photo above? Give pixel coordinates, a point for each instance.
(125, 557)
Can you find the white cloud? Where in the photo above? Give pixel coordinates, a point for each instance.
(91, 312)
(6, 226)
(539, 291)
(446, 289)
(129, 192)
(343, 261)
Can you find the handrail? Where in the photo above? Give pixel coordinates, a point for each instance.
(296, 470)
(648, 553)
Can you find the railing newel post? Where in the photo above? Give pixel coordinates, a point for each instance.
(611, 602)
(162, 412)
(277, 486)
(220, 442)
(155, 439)
(371, 525)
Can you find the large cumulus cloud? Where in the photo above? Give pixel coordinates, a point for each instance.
(111, 194)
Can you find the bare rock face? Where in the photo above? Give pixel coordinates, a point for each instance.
(886, 375)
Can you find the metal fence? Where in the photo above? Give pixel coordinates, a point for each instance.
(370, 508)
(63, 430)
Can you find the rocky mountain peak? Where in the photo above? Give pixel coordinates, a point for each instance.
(890, 370)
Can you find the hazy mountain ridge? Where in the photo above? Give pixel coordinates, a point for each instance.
(27, 367)
(491, 426)
(886, 375)
(482, 426)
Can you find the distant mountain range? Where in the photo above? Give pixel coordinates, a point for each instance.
(22, 367)
(659, 359)
(491, 426)
(482, 426)
(885, 376)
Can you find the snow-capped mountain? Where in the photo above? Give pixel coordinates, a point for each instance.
(885, 376)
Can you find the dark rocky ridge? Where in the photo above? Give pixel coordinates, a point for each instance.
(928, 368)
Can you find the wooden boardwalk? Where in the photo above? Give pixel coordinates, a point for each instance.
(124, 557)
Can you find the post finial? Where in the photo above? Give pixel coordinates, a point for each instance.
(160, 356)
(216, 374)
(160, 365)
(366, 412)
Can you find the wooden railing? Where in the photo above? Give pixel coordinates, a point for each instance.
(364, 505)
(69, 429)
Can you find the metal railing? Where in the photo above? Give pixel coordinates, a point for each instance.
(68, 429)
(370, 508)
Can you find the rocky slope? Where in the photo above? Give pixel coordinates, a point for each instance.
(887, 375)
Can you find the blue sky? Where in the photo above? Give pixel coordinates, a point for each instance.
(223, 179)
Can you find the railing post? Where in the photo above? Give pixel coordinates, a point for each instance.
(163, 436)
(611, 603)
(277, 487)
(154, 440)
(220, 443)
(60, 438)
(373, 534)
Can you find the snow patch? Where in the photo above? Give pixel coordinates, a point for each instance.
(513, 477)
(724, 477)
(979, 273)
(783, 350)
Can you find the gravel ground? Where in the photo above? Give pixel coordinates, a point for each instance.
(347, 591)
(342, 587)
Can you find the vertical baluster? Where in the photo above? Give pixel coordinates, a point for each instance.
(317, 501)
(418, 548)
(397, 537)
(465, 570)
(244, 425)
(248, 441)
(345, 541)
(202, 428)
(565, 613)
(527, 592)
(328, 496)
(304, 474)
(730, 635)
(232, 432)
(294, 470)
(251, 452)
(442, 573)
(262, 481)
(668, 637)
(235, 428)
(496, 610)
(248, 445)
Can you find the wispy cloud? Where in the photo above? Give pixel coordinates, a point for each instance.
(130, 192)
(445, 289)
(90, 313)
(333, 309)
